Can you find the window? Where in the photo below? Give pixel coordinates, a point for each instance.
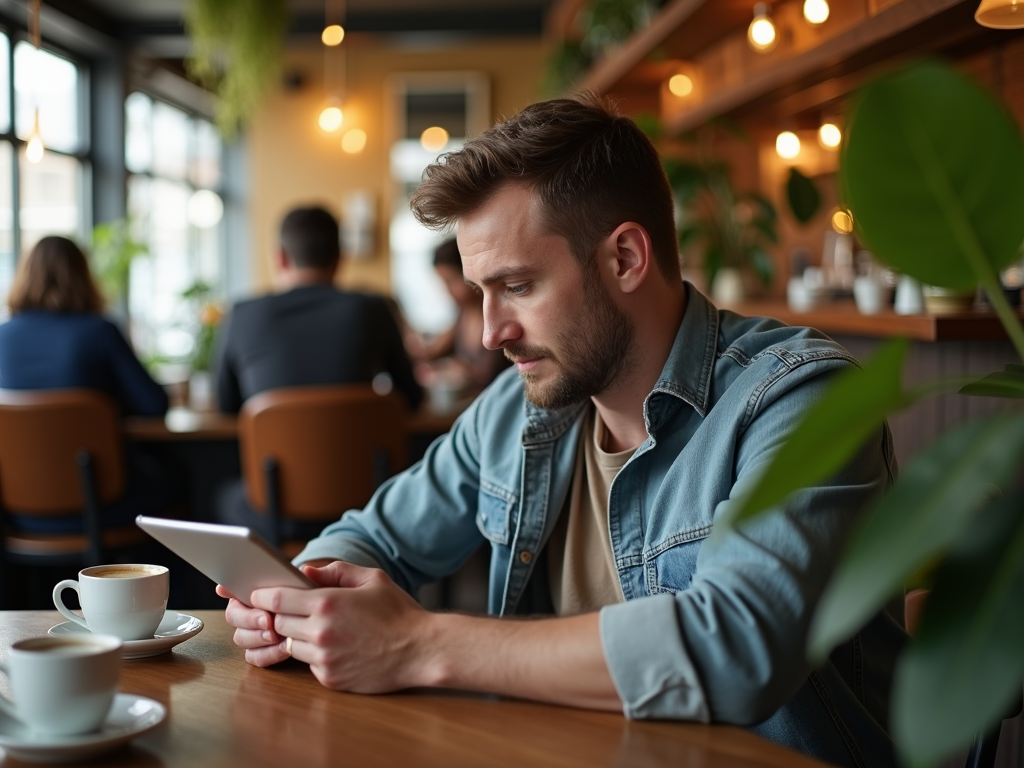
(174, 165)
(45, 197)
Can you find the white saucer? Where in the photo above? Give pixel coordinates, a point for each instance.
(175, 628)
(129, 717)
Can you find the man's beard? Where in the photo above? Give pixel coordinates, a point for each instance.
(592, 356)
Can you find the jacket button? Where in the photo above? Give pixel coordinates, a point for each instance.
(526, 556)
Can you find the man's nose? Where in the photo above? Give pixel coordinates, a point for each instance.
(499, 327)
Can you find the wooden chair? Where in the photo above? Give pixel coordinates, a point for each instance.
(311, 453)
(60, 454)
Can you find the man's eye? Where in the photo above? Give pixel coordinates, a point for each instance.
(517, 290)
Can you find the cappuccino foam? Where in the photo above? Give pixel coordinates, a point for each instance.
(123, 572)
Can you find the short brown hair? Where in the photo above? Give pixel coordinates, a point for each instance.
(310, 237)
(54, 278)
(592, 169)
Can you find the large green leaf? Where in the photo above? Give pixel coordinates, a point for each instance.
(933, 169)
(830, 433)
(966, 665)
(1008, 382)
(935, 498)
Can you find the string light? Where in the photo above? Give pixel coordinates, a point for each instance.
(842, 221)
(354, 141)
(34, 148)
(434, 138)
(829, 135)
(680, 85)
(816, 11)
(787, 145)
(332, 35)
(761, 33)
(331, 117)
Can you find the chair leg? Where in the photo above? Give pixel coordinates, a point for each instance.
(90, 499)
(272, 485)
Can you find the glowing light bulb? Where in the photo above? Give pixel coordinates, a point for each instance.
(354, 141)
(761, 33)
(829, 136)
(34, 148)
(787, 144)
(333, 35)
(331, 118)
(680, 85)
(842, 221)
(434, 138)
(816, 11)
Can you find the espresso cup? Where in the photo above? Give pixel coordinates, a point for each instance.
(123, 600)
(62, 686)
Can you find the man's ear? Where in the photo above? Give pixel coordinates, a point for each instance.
(630, 256)
(281, 260)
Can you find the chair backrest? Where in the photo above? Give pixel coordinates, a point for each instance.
(42, 434)
(326, 442)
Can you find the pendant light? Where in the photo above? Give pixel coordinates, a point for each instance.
(1000, 14)
(332, 115)
(34, 148)
(761, 34)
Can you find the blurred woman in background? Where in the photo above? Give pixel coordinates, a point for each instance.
(57, 337)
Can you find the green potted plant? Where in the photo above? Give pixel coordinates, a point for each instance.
(204, 317)
(932, 168)
(113, 250)
(727, 232)
(236, 51)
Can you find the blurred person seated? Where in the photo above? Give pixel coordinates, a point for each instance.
(57, 338)
(457, 358)
(310, 332)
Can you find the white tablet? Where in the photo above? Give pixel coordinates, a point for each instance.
(233, 556)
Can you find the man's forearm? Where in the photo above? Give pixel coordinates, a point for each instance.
(554, 660)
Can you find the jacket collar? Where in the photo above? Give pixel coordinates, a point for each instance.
(686, 376)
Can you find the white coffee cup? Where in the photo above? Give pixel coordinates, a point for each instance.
(869, 294)
(62, 685)
(123, 600)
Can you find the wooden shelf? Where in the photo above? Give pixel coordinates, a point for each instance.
(815, 68)
(842, 318)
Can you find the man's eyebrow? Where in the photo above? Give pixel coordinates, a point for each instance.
(501, 274)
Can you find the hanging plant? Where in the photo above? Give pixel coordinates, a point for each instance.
(236, 51)
(803, 196)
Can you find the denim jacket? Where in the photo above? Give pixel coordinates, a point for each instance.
(706, 633)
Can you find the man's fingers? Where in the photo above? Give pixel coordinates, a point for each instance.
(338, 574)
(265, 657)
(241, 616)
(256, 638)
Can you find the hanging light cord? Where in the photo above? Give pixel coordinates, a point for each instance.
(34, 8)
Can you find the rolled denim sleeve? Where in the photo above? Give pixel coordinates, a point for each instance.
(730, 646)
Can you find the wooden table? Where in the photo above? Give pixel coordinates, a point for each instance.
(223, 712)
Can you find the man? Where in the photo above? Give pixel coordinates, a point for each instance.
(638, 414)
(310, 332)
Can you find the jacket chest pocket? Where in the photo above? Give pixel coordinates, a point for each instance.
(494, 512)
(670, 568)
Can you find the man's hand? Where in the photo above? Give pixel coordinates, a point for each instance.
(358, 632)
(254, 628)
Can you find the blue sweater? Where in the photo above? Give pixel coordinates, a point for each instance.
(48, 350)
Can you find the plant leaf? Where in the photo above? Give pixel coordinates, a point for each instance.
(933, 169)
(802, 195)
(830, 433)
(965, 666)
(936, 496)
(1006, 383)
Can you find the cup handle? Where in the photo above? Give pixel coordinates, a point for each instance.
(59, 604)
(6, 706)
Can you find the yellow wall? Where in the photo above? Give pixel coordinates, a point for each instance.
(292, 162)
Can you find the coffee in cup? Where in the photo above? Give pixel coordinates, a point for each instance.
(123, 600)
(62, 686)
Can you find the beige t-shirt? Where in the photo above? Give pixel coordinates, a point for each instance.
(581, 569)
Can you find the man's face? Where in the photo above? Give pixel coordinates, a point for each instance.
(554, 320)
